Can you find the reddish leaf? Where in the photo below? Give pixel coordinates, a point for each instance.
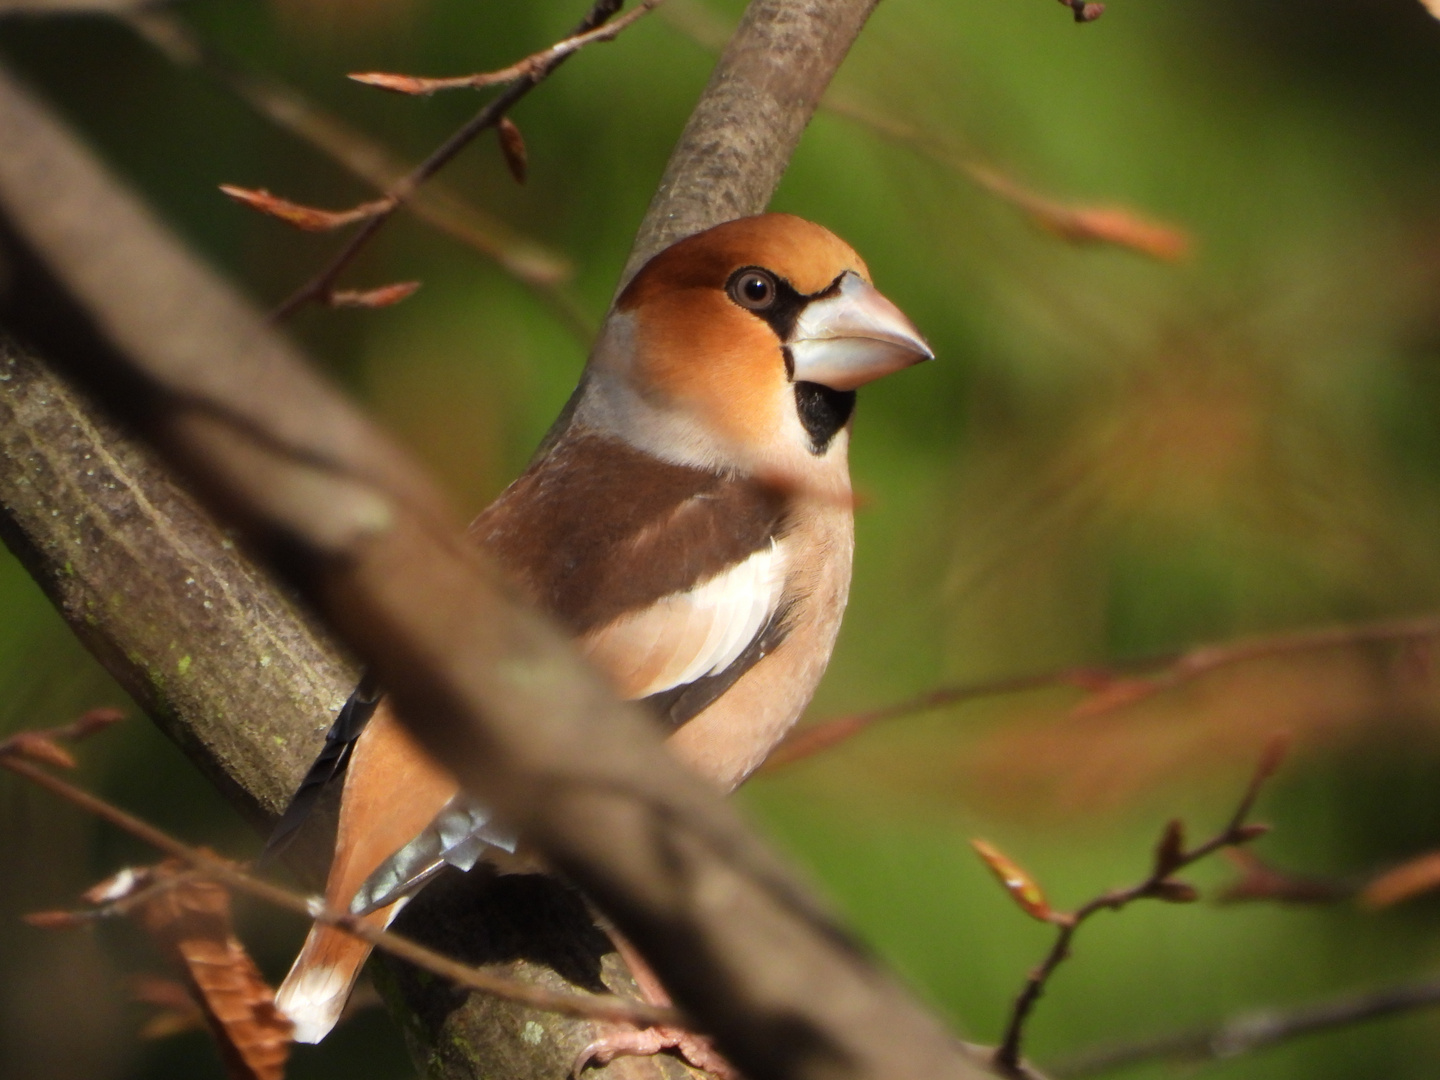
(1020, 885)
(93, 722)
(37, 746)
(178, 1011)
(309, 218)
(1116, 694)
(1175, 891)
(512, 145)
(380, 297)
(1170, 851)
(1259, 880)
(54, 920)
(1252, 831)
(1408, 880)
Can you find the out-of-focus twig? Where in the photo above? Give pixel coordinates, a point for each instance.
(1115, 225)
(438, 205)
(323, 283)
(1171, 856)
(1110, 687)
(531, 66)
(1252, 1031)
(598, 1007)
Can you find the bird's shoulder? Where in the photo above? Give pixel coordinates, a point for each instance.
(595, 529)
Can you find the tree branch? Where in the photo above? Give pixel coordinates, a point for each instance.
(500, 693)
(490, 114)
(1249, 1032)
(739, 139)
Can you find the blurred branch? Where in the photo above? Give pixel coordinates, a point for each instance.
(436, 204)
(211, 867)
(1171, 856)
(1252, 1031)
(398, 194)
(1077, 224)
(536, 65)
(490, 688)
(1110, 688)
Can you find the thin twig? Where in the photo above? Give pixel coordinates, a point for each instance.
(1171, 856)
(1140, 678)
(321, 285)
(1255, 1030)
(535, 63)
(595, 1007)
(1079, 224)
(438, 205)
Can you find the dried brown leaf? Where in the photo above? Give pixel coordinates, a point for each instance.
(93, 722)
(191, 921)
(1115, 694)
(309, 218)
(1404, 882)
(512, 146)
(38, 746)
(178, 1011)
(1170, 851)
(1022, 888)
(1175, 891)
(419, 85)
(380, 297)
(54, 920)
(1259, 881)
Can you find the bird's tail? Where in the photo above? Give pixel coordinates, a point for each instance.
(314, 994)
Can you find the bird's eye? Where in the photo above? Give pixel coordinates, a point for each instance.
(753, 289)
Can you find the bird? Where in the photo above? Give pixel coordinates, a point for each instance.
(688, 520)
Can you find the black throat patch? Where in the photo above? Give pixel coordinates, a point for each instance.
(823, 412)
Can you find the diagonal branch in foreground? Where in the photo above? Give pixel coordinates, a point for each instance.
(487, 686)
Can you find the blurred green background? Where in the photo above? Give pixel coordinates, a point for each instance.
(1112, 456)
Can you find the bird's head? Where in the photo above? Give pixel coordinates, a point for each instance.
(743, 346)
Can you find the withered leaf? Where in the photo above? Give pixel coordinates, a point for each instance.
(383, 296)
(512, 146)
(309, 218)
(1023, 889)
(191, 921)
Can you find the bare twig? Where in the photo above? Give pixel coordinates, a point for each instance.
(1252, 1031)
(536, 65)
(595, 1007)
(1171, 856)
(1110, 687)
(322, 284)
(1078, 224)
(485, 685)
(544, 271)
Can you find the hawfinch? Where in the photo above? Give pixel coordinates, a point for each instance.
(687, 519)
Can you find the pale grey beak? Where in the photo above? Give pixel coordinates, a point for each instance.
(853, 337)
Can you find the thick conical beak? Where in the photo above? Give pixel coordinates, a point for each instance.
(853, 337)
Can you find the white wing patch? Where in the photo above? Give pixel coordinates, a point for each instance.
(686, 636)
